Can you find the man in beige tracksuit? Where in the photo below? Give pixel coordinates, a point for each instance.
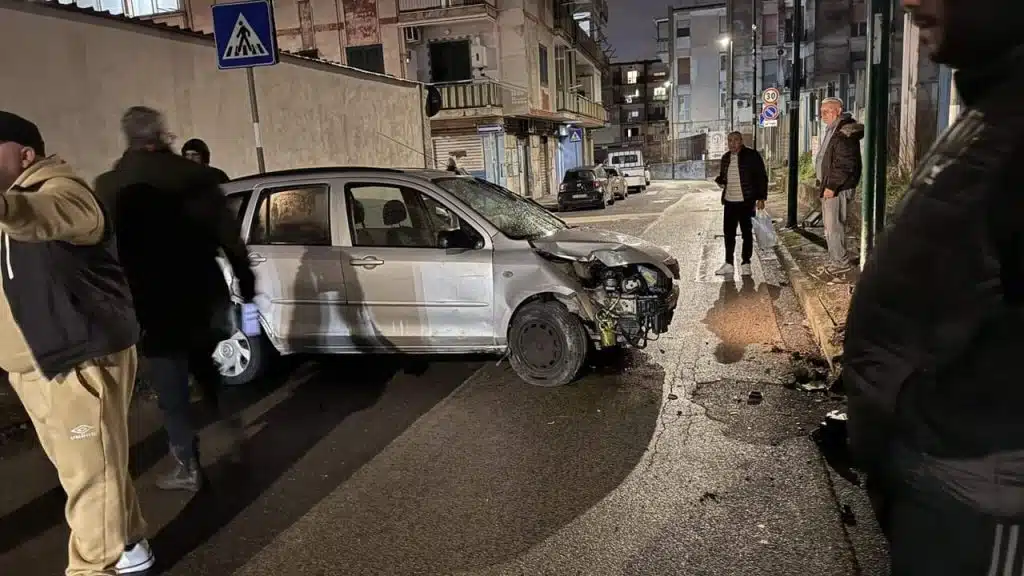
(67, 340)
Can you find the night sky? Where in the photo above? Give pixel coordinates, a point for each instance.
(631, 27)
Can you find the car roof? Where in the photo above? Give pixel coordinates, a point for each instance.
(422, 173)
(592, 167)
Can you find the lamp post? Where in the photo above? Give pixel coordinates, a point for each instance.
(726, 41)
(671, 121)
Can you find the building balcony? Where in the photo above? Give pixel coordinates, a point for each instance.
(591, 114)
(570, 32)
(480, 99)
(419, 12)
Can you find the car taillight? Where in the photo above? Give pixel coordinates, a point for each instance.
(598, 184)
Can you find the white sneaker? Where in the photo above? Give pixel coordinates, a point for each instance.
(745, 269)
(138, 558)
(725, 270)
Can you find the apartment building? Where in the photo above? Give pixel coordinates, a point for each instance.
(520, 80)
(637, 97)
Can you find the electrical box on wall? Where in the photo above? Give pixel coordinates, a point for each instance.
(478, 53)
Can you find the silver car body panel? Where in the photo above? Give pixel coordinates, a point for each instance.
(341, 298)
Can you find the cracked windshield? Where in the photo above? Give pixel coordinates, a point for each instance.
(515, 216)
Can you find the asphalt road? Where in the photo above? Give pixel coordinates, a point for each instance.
(657, 465)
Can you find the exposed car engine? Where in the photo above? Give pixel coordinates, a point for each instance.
(633, 301)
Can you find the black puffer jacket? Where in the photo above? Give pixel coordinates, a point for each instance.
(841, 163)
(753, 175)
(935, 326)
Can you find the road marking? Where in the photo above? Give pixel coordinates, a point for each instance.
(653, 192)
(661, 202)
(609, 217)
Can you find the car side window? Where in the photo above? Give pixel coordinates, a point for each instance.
(389, 216)
(237, 201)
(298, 215)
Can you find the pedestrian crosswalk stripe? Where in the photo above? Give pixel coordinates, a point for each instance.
(244, 43)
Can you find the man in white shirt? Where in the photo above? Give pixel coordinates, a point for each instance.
(744, 182)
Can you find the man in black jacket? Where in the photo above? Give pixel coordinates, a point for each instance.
(171, 220)
(744, 182)
(199, 152)
(838, 167)
(935, 395)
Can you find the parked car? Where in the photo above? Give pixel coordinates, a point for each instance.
(585, 187)
(630, 163)
(617, 183)
(368, 260)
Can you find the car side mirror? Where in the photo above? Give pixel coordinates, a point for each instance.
(457, 239)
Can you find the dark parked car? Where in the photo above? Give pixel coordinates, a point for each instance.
(585, 187)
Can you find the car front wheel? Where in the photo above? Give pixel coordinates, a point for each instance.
(241, 359)
(547, 344)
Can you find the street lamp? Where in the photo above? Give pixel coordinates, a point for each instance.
(726, 41)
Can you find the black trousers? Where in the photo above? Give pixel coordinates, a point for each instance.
(742, 214)
(168, 373)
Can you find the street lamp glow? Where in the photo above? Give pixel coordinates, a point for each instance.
(725, 41)
(668, 83)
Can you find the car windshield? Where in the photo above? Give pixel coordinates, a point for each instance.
(629, 159)
(580, 175)
(611, 171)
(516, 217)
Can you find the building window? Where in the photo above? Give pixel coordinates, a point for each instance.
(770, 30)
(684, 108)
(859, 27)
(723, 61)
(450, 61)
(660, 92)
(131, 8)
(632, 133)
(723, 25)
(633, 115)
(542, 50)
(631, 76)
(683, 71)
(683, 31)
(770, 75)
(369, 58)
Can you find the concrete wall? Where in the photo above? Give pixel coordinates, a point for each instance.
(85, 70)
(693, 170)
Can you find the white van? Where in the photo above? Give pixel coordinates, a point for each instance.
(630, 163)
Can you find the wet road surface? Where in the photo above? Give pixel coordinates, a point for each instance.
(660, 463)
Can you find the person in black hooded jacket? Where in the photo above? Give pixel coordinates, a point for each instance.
(197, 151)
(171, 221)
(935, 395)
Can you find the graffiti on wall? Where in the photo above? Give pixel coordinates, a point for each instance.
(361, 24)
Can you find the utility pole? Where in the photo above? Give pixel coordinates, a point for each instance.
(755, 97)
(732, 86)
(876, 127)
(794, 115)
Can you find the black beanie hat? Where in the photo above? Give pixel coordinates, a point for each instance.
(14, 128)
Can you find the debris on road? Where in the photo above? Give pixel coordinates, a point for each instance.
(708, 497)
(755, 397)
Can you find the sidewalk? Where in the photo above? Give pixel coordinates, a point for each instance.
(825, 297)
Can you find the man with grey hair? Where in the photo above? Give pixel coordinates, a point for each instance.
(837, 166)
(172, 221)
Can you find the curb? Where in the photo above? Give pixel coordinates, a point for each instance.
(822, 326)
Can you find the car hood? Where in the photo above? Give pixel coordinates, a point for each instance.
(608, 248)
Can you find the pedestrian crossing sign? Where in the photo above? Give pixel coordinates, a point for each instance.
(575, 134)
(245, 35)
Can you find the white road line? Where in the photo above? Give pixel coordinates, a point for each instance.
(661, 202)
(653, 193)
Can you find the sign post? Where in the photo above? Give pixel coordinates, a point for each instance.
(246, 37)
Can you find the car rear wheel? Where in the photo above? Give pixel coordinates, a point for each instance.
(242, 359)
(547, 344)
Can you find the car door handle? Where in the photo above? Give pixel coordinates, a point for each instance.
(257, 259)
(370, 262)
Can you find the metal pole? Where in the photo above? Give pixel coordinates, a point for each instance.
(254, 107)
(882, 13)
(732, 86)
(753, 58)
(875, 128)
(794, 116)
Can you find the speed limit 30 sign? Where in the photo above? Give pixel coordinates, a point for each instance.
(770, 96)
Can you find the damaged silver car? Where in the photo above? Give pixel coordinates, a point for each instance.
(367, 260)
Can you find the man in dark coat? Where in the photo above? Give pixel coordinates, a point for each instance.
(935, 394)
(744, 182)
(838, 167)
(171, 221)
(197, 151)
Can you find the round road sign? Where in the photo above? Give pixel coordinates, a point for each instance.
(770, 96)
(770, 112)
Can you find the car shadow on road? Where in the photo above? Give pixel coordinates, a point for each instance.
(499, 468)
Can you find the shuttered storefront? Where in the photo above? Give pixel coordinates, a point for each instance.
(467, 148)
